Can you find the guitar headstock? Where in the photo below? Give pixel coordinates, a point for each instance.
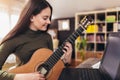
(87, 20)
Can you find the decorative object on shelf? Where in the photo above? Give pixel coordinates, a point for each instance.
(110, 18)
(92, 29)
(63, 25)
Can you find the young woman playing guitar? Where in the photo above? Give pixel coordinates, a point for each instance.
(29, 35)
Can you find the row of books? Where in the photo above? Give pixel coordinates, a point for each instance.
(99, 38)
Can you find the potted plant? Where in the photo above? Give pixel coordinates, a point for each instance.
(81, 47)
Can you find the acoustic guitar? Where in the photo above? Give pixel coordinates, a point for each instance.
(47, 62)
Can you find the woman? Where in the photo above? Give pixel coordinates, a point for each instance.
(27, 36)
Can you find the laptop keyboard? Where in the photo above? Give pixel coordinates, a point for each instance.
(82, 74)
(89, 74)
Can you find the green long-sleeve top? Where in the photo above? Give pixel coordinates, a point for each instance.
(23, 46)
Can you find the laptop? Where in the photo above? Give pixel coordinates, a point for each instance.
(109, 68)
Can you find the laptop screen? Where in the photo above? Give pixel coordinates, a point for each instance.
(110, 61)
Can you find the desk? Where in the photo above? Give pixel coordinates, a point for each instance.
(84, 64)
(88, 63)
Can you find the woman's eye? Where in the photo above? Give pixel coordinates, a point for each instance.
(45, 18)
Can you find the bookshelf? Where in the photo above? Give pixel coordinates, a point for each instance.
(105, 22)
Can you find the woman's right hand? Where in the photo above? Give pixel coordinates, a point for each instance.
(29, 76)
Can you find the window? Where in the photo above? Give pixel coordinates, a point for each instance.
(14, 19)
(4, 24)
(7, 22)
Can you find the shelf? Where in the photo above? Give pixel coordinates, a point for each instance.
(105, 22)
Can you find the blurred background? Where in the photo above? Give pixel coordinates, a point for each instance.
(64, 13)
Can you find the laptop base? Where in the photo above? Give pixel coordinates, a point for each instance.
(82, 74)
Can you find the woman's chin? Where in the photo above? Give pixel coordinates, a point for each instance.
(43, 29)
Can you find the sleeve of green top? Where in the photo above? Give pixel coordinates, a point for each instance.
(5, 50)
(6, 76)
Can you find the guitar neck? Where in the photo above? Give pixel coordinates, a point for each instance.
(52, 60)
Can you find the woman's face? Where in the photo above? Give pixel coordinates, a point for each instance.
(41, 20)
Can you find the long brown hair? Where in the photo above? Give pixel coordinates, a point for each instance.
(33, 7)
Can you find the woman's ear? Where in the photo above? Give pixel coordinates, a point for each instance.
(31, 18)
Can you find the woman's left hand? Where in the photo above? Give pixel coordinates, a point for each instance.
(67, 53)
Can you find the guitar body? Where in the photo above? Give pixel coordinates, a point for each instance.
(39, 57)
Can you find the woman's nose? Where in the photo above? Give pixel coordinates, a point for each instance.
(48, 21)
